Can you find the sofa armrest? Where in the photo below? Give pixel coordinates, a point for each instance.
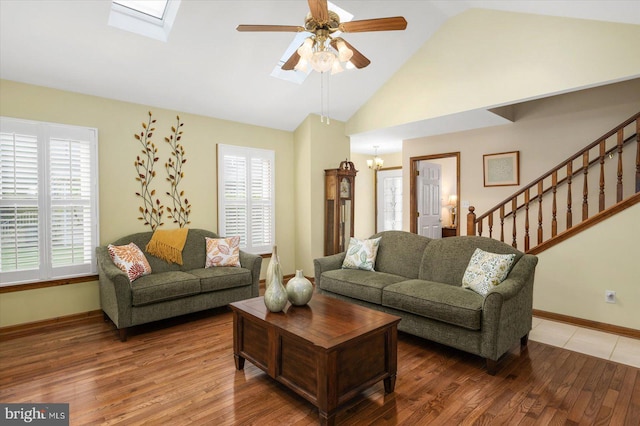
(115, 289)
(253, 263)
(327, 263)
(508, 308)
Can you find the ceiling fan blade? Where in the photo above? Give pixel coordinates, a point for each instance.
(358, 59)
(319, 10)
(291, 62)
(276, 28)
(379, 24)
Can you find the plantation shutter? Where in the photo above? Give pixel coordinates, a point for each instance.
(246, 196)
(48, 201)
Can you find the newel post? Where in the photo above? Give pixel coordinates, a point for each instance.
(471, 221)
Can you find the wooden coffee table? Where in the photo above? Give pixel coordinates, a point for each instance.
(327, 351)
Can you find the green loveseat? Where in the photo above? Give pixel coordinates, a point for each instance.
(171, 289)
(419, 279)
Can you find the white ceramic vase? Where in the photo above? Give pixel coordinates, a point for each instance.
(299, 289)
(273, 269)
(275, 297)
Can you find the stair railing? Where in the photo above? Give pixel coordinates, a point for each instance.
(541, 198)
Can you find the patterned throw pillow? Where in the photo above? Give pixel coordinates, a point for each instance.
(486, 270)
(223, 252)
(361, 254)
(130, 260)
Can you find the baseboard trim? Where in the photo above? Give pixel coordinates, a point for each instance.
(607, 328)
(19, 330)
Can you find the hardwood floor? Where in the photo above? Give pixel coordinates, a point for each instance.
(182, 372)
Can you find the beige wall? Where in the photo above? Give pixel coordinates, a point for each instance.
(546, 132)
(484, 58)
(318, 146)
(116, 123)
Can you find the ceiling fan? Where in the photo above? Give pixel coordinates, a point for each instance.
(322, 51)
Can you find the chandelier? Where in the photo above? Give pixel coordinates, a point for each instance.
(323, 53)
(376, 162)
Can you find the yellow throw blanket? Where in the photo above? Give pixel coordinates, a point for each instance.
(168, 245)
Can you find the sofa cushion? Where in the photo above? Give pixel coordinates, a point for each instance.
(445, 260)
(221, 277)
(130, 260)
(222, 252)
(400, 253)
(361, 254)
(442, 302)
(358, 284)
(162, 286)
(486, 270)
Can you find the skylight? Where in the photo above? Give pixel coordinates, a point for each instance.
(297, 76)
(150, 18)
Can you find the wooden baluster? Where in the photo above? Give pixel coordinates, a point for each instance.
(480, 228)
(638, 155)
(471, 221)
(540, 212)
(491, 225)
(514, 209)
(601, 196)
(502, 223)
(569, 200)
(585, 188)
(554, 206)
(526, 220)
(620, 142)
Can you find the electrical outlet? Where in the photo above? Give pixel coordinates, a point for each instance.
(610, 296)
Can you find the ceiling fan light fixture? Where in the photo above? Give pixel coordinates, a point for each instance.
(306, 49)
(301, 65)
(336, 67)
(344, 53)
(323, 60)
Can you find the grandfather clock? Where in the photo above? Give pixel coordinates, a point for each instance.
(339, 187)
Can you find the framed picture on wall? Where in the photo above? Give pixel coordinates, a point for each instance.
(502, 169)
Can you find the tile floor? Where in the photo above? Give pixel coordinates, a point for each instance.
(616, 348)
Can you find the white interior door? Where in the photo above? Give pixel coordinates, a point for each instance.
(388, 200)
(428, 182)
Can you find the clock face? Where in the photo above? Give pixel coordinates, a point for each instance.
(345, 188)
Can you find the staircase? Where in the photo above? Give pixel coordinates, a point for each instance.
(598, 181)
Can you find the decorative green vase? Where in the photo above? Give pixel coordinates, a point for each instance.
(275, 297)
(273, 268)
(299, 289)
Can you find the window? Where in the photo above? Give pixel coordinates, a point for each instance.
(150, 18)
(48, 201)
(246, 202)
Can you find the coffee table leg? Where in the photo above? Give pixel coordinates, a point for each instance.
(240, 362)
(327, 420)
(389, 384)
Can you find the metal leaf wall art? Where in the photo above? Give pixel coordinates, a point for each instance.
(152, 209)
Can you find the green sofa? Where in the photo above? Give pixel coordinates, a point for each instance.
(171, 289)
(419, 279)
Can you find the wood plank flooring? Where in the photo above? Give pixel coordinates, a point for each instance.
(182, 372)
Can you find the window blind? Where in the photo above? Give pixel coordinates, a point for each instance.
(246, 196)
(48, 201)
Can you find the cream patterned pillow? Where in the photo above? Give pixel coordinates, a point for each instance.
(486, 270)
(130, 260)
(222, 252)
(361, 254)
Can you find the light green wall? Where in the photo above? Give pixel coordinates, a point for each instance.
(116, 123)
(485, 58)
(571, 277)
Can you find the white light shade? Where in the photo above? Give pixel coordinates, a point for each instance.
(306, 49)
(322, 61)
(344, 53)
(370, 163)
(301, 65)
(336, 67)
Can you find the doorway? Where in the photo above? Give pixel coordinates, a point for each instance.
(440, 204)
(388, 187)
